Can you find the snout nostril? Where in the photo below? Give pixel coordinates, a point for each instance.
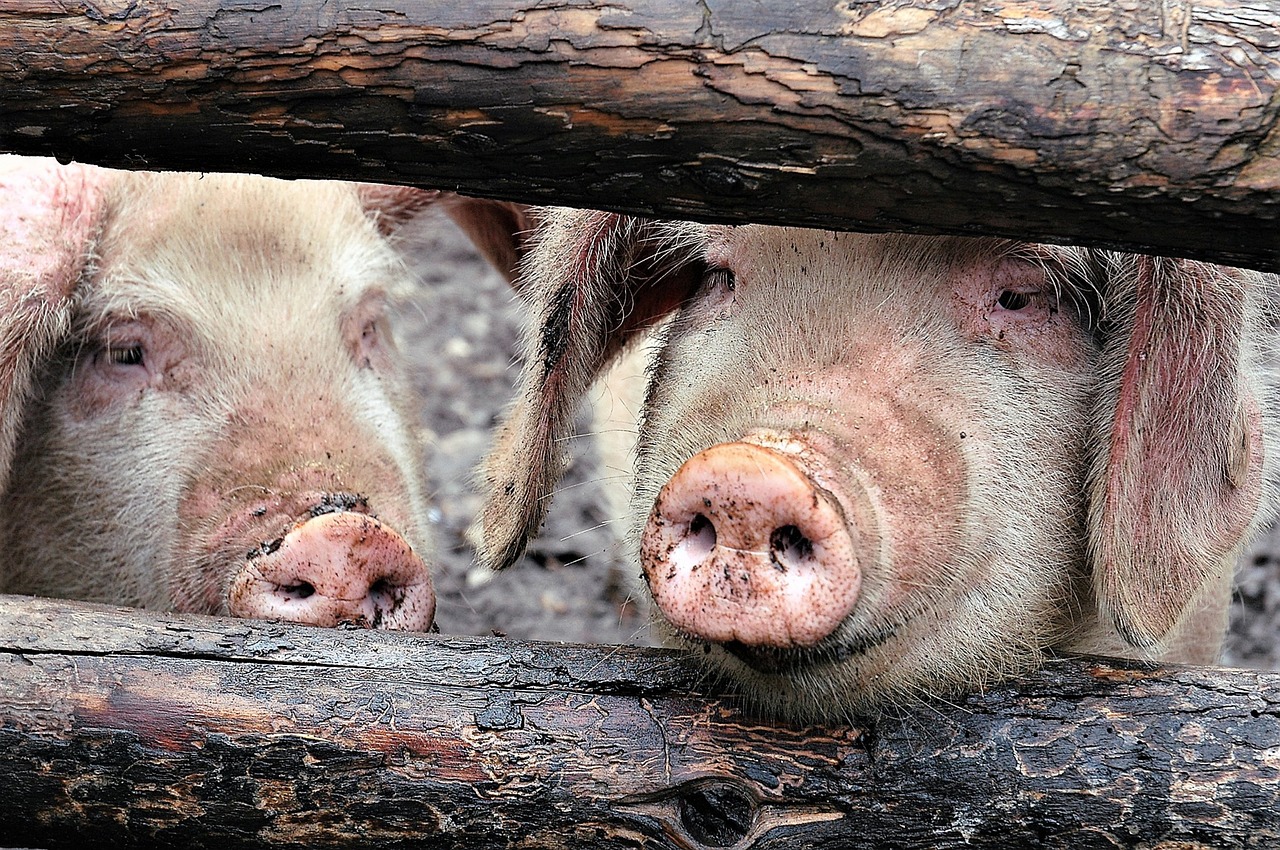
(701, 537)
(789, 548)
(387, 594)
(744, 545)
(698, 542)
(301, 590)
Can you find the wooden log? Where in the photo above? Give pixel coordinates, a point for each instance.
(136, 730)
(1145, 127)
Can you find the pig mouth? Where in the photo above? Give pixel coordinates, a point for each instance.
(778, 661)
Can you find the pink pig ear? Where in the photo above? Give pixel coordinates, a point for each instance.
(593, 281)
(1178, 479)
(393, 206)
(500, 230)
(49, 215)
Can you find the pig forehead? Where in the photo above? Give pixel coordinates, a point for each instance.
(189, 219)
(231, 239)
(763, 249)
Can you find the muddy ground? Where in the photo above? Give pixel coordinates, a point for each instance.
(572, 584)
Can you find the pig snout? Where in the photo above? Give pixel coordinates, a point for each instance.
(335, 568)
(742, 546)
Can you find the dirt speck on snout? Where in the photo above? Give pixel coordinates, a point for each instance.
(333, 503)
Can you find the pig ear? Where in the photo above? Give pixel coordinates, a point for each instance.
(593, 280)
(49, 215)
(1178, 476)
(500, 230)
(393, 206)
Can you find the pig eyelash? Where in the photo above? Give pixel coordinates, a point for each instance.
(719, 279)
(115, 355)
(1071, 275)
(125, 355)
(366, 328)
(371, 346)
(1012, 300)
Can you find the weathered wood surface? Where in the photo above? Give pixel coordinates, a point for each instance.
(146, 731)
(1149, 126)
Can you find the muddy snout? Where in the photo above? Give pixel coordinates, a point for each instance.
(336, 568)
(743, 546)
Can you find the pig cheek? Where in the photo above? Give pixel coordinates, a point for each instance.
(181, 375)
(199, 578)
(1054, 337)
(95, 391)
(912, 446)
(1048, 336)
(915, 470)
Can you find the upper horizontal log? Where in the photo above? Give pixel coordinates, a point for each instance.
(1150, 127)
(159, 731)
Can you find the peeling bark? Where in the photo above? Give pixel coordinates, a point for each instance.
(1130, 125)
(151, 731)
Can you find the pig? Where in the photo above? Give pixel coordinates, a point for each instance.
(878, 469)
(202, 406)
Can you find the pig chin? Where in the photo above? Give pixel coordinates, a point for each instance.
(861, 671)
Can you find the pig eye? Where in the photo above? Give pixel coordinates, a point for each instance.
(125, 355)
(1011, 300)
(370, 343)
(374, 343)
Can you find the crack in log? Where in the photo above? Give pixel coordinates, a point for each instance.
(705, 33)
(553, 684)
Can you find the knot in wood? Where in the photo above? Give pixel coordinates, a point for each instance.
(716, 815)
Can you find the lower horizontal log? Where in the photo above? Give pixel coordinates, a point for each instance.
(144, 731)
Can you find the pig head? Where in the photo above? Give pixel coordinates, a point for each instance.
(202, 407)
(874, 468)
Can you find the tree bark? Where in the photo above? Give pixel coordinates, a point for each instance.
(149, 731)
(1148, 127)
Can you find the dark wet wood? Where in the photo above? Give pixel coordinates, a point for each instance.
(163, 731)
(1126, 124)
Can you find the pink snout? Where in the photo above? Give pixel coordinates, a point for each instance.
(336, 568)
(743, 546)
